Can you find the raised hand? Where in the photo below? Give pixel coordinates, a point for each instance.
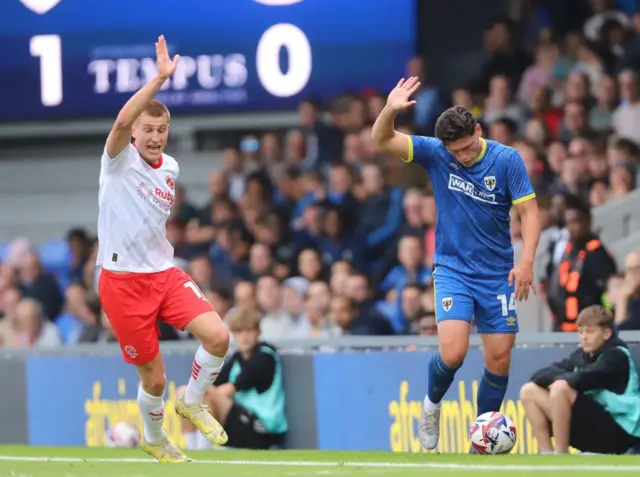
(166, 66)
(399, 97)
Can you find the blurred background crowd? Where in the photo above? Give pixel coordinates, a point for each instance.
(327, 236)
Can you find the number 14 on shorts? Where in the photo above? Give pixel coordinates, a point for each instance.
(507, 306)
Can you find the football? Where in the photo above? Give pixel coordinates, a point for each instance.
(492, 433)
(123, 434)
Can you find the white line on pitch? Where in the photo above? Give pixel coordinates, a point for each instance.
(381, 465)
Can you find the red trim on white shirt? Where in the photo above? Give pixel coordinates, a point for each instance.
(156, 165)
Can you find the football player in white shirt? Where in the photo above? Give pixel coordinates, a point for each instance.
(139, 283)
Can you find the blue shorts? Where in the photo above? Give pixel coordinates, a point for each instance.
(491, 301)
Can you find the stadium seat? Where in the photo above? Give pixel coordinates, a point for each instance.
(55, 257)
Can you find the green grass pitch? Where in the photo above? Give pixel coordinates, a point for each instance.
(21, 461)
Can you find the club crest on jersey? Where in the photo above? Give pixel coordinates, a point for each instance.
(170, 182)
(40, 6)
(447, 303)
(490, 182)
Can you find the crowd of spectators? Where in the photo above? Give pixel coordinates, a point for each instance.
(327, 236)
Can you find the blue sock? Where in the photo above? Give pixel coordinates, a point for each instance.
(491, 392)
(440, 378)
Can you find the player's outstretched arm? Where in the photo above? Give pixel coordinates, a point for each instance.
(120, 134)
(383, 132)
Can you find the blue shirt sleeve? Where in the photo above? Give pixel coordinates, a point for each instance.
(422, 150)
(520, 188)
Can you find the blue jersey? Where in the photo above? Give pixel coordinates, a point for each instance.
(473, 204)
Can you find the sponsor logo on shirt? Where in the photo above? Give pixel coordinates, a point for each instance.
(160, 198)
(458, 184)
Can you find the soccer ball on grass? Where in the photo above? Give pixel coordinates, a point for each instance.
(123, 434)
(493, 433)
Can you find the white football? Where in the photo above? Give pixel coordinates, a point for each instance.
(493, 433)
(123, 434)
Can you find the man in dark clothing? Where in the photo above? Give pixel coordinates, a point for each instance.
(345, 317)
(505, 57)
(581, 278)
(42, 286)
(591, 400)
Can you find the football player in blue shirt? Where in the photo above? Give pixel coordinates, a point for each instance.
(475, 183)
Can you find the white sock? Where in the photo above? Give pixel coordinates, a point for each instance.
(204, 372)
(152, 409)
(428, 405)
(202, 443)
(191, 439)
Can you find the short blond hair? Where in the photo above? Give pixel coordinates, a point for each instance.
(244, 319)
(596, 315)
(156, 109)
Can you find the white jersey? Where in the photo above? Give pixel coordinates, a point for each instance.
(135, 200)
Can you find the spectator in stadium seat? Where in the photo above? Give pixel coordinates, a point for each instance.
(358, 292)
(234, 172)
(323, 141)
(272, 157)
(411, 268)
(310, 265)
(337, 242)
(244, 294)
(229, 253)
(10, 299)
(260, 260)
(275, 323)
(405, 313)
(429, 102)
(575, 122)
(294, 290)
(626, 117)
(218, 192)
(201, 272)
(627, 306)
(314, 322)
(100, 330)
(601, 113)
(503, 130)
(40, 285)
(76, 315)
(339, 194)
(538, 75)
(347, 321)
(222, 299)
(287, 195)
(581, 277)
(506, 58)
(176, 235)
(596, 387)
(426, 324)
(80, 247)
(622, 180)
(32, 328)
(182, 209)
(247, 397)
(499, 105)
(380, 211)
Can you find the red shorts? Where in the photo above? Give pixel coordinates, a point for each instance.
(133, 302)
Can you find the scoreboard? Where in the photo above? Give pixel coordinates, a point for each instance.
(84, 58)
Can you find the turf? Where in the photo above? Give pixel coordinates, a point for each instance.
(97, 462)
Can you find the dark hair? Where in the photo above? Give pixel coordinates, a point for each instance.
(573, 202)
(455, 123)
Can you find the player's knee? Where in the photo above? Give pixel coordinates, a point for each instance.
(453, 356)
(529, 391)
(560, 390)
(499, 363)
(217, 341)
(154, 384)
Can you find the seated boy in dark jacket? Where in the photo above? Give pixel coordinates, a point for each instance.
(591, 400)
